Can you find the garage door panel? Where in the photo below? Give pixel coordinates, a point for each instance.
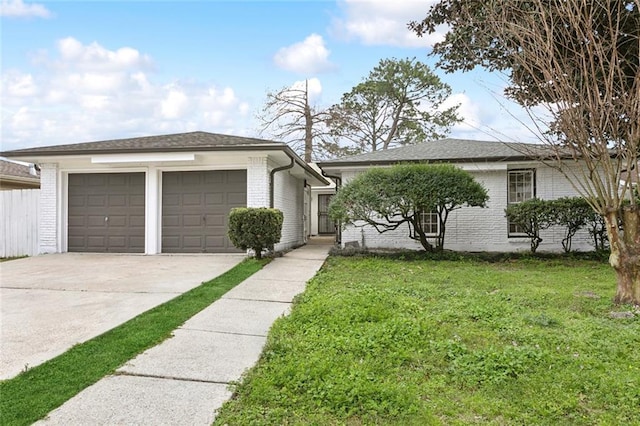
(237, 199)
(106, 212)
(137, 222)
(215, 220)
(94, 180)
(201, 201)
(215, 178)
(95, 221)
(96, 241)
(192, 200)
(117, 200)
(215, 199)
(192, 221)
(214, 243)
(97, 201)
(75, 221)
(170, 200)
(77, 201)
(136, 200)
(237, 176)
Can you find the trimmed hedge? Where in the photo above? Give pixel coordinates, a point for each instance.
(255, 228)
(572, 213)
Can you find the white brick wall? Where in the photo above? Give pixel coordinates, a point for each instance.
(481, 229)
(258, 182)
(289, 198)
(49, 198)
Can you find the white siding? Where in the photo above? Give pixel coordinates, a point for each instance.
(481, 229)
(19, 229)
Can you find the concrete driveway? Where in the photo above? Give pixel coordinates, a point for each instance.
(49, 303)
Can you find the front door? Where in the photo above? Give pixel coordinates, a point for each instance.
(325, 224)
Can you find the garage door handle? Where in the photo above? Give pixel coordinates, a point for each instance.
(106, 218)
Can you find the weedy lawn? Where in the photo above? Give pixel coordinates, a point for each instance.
(382, 341)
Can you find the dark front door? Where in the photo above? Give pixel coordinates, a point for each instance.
(106, 212)
(195, 209)
(325, 224)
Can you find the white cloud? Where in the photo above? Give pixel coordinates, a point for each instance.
(96, 57)
(468, 111)
(19, 9)
(306, 57)
(82, 92)
(490, 118)
(174, 105)
(314, 88)
(383, 22)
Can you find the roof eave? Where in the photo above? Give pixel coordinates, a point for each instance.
(32, 154)
(337, 164)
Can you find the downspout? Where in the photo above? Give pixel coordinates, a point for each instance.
(338, 180)
(273, 172)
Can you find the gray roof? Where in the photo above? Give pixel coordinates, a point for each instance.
(179, 142)
(11, 169)
(444, 150)
(163, 143)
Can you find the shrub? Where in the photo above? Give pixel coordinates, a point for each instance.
(387, 198)
(255, 228)
(573, 213)
(598, 230)
(532, 216)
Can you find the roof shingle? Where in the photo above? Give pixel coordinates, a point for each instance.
(175, 142)
(444, 150)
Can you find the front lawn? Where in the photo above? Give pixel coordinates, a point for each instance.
(381, 341)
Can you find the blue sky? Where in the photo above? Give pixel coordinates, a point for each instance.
(82, 71)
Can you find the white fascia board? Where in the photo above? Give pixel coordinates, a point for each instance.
(142, 158)
(482, 167)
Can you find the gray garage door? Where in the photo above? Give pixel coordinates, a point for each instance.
(195, 209)
(106, 212)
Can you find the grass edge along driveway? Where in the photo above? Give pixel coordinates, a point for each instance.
(32, 394)
(382, 341)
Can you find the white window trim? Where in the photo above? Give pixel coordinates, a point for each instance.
(532, 172)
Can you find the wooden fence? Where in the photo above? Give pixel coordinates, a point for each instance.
(19, 210)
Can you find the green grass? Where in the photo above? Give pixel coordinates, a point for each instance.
(423, 342)
(35, 392)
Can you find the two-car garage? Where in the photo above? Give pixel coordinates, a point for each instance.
(106, 211)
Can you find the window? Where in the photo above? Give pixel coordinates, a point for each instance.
(521, 187)
(430, 223)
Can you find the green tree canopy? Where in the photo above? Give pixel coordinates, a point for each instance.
(400, 102)
(387, 198)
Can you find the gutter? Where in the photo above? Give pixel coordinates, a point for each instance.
(338, 180)
(272, 174)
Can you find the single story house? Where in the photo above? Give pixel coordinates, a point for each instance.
(510, 173)
(166, 194)
(18, 176)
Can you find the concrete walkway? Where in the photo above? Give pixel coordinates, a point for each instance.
(185, 379)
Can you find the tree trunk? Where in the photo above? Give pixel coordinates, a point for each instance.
(308, 134)
(625, 253)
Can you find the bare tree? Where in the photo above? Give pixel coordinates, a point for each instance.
(288, 116)
(579, 60)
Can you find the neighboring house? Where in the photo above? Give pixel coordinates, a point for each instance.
(18, 176)
(507, 171)
(165, 194)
